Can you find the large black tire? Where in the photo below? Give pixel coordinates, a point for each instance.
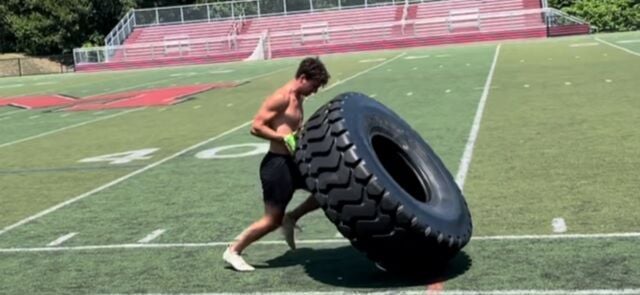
(382, 185)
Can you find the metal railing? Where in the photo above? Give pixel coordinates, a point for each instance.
(222, 45)
(230, 10)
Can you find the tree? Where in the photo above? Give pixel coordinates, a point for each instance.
(608, 15)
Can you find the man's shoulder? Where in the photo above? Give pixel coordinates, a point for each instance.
(280, 96)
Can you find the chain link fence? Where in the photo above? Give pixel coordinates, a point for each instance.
(24, 66)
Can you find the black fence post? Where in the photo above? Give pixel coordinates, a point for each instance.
(20, 67)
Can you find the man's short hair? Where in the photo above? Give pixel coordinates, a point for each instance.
(313, 69)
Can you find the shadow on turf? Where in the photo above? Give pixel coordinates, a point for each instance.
(346, 267)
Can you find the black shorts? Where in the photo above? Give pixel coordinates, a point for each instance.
(280, 178)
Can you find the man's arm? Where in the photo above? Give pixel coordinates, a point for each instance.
(273, 106)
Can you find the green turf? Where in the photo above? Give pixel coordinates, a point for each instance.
(556, 150)
(544, 151)
(482, 266)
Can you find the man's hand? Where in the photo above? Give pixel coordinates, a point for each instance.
(291, 142)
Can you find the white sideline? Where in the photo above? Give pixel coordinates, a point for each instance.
(618, 47)
(475, 128)
(152, 165)
(313, 242)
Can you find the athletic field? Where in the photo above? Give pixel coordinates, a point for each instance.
(543, 135)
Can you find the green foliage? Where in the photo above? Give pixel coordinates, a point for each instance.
(559, 4)
(608, 15)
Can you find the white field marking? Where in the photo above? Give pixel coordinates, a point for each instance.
(447, 91)
(34, 117)
(482, 88)
(409, 93)
(628, 41)
(577, 57)
(559, 225)
(389, 70)
(229, 105)
(12, 112)
(338, 235)
(197, 107)
(198, 83)
(463, 168)
(627, 291)
(61, 240)
(373, 95)
(373, 60)
(633, 235)
(195, 146)
(67, 128)
(567, 83)
(588, 44)
(152, 236)
(417, 56)
(176, 75)
(45, 83)
(11, 86)
(619, 47)
(468, 65)
(441, 66)
(550, 59)
(162, 109)
(527, 85)
(415, 68)
(65, 115)
(608, 80)
(98, 113)
(442, 55)
(522, 60)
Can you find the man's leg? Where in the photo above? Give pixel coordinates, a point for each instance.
(268, 223)
(290, 219)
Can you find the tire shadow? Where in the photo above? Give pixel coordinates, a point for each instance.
(347, 267)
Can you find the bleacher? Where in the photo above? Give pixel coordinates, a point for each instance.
(355, 29)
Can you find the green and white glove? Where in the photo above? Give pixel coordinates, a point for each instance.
(291, 142)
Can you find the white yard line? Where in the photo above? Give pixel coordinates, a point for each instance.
(139, 245)
(463, 169)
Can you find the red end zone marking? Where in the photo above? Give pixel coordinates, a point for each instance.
(37, 102)
(131, 99)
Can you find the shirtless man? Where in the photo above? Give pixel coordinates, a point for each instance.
(278, 120)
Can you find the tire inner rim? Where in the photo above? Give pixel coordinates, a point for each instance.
(397, 163)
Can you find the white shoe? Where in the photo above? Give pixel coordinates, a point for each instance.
(288, 226)
(236, 261)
